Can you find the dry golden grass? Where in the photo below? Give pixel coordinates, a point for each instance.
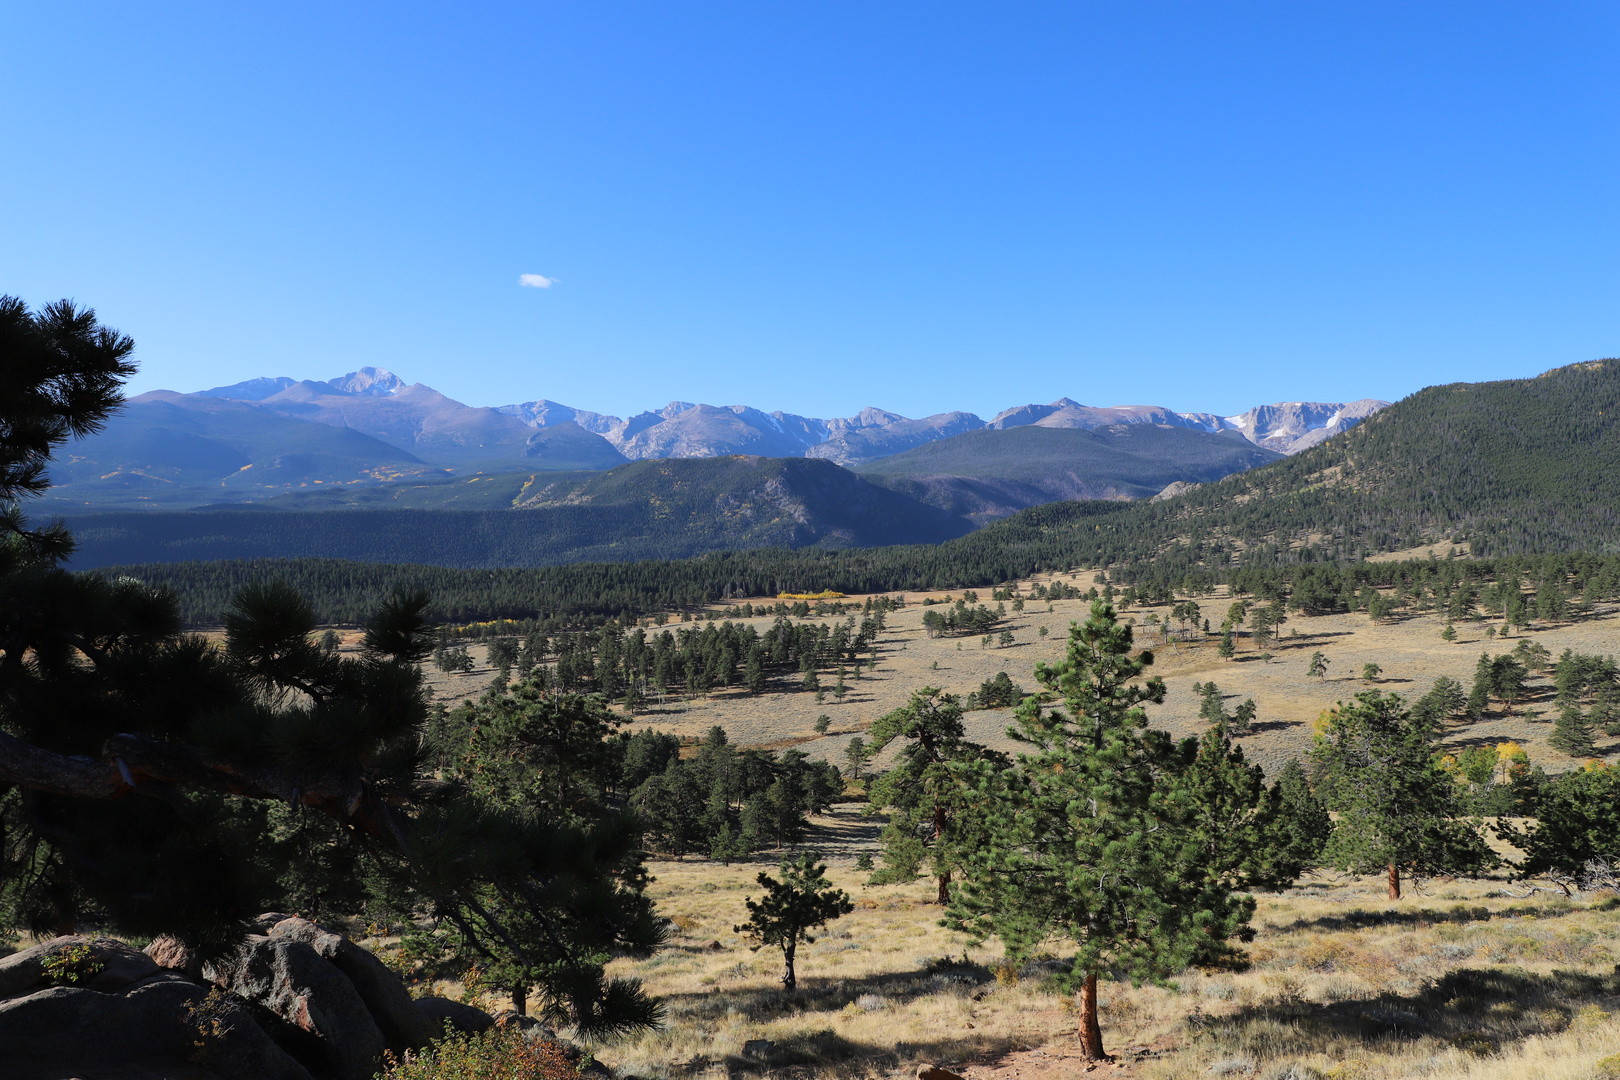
(1463, 982)
(1410, 652)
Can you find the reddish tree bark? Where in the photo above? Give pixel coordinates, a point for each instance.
(1091, 1044)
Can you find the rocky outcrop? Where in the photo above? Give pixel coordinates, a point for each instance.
(297, 1001)
(99, 964)
(172, 954)
(1171, 490)
(463, 1019)
(161, 1027)
(308, 1006)
(402, 1024)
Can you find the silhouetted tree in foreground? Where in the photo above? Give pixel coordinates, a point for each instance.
(170, 785)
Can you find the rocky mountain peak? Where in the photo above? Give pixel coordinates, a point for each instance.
(374, 381)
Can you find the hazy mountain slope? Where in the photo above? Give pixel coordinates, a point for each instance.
(856, 445)
(251, 390)
(790, 502)
(1286, 427)
(440, 430)
(992, 473)
(569, 446)
(1065, 413)
(164, 449)
(482, 491)
(705, 431)
(644, 510)
(416, 418)
(543, 413)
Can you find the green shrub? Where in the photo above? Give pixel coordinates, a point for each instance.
(500, 1052)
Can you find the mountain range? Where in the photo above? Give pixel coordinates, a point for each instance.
(268, 436)
(1504, 469)
(682, 429)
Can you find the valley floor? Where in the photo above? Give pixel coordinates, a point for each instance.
(1409, 651)
(1461, 980)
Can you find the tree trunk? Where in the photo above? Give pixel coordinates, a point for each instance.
(1091, 1044)
(520, 1000)
(939, 833)
(944, 889)
(790, 981)
(1394, 881)
(1091, 1032)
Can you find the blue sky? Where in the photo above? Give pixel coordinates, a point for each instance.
(818, 207)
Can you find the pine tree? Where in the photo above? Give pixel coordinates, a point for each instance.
(1085, 834)
(1577, 822)
(726, 845)
(1573, 732)
(1302, 819)
(754, 672)
(802, 901)
(1444, 701)
(170, 785)
(855, 755)
(930, 813)
(1479, 694)
(1233, 838)
(1376, 765)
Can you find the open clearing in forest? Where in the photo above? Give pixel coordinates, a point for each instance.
(1461, 980)
(1458, 980)
(1409, 650)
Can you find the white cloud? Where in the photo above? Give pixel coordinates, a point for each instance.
(536, 281)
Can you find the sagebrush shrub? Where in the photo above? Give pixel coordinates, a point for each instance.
(500, 1052)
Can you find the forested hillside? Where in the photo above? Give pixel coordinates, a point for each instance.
(341, 590)
(646, 510)
(991, 473)
(1516, 466)
(748, 501)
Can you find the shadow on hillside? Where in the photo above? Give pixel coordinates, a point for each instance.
(1360, 919)
(1475, 1010)
(1317, 635)
(808, 1054)
(819, 992)
(1259, 727)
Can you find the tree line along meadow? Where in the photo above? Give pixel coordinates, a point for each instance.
(156, 782)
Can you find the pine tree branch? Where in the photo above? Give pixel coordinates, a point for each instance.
(138, 764)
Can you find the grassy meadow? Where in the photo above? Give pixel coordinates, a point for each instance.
(1461, 979)
(1410, 652)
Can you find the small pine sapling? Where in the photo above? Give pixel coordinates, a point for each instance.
(802, 901)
